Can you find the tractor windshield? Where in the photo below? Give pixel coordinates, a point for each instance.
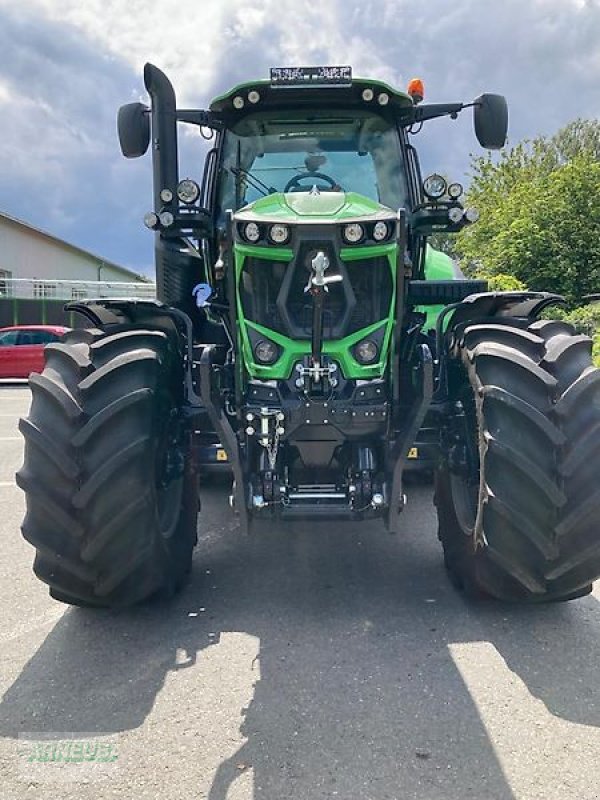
(352, 151)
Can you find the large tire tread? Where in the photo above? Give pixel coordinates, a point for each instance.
(536, 397)
(89, 471)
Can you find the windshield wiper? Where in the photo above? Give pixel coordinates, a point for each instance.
(252, 180)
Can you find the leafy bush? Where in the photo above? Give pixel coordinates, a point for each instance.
(585, 319)
(503, 283)
(539, 205)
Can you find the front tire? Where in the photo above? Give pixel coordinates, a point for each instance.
(517, 493)
(108, 474)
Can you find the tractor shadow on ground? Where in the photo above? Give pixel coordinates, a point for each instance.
(358, 694)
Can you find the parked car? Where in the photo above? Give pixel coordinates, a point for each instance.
(22, 348)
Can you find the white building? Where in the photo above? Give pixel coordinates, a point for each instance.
(36, 266)
(29, 253)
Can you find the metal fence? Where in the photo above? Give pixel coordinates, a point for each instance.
(44, 289)
(32, 301)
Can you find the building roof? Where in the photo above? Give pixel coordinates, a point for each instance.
(128, 274)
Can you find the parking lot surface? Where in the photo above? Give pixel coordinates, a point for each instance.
(308, 661)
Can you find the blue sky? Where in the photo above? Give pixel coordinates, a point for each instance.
(68, 64)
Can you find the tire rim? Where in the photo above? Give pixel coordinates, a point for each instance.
(466, 489)
(168, 503)
(464, 498)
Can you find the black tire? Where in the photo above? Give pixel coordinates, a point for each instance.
(518, 491)
(108, 474)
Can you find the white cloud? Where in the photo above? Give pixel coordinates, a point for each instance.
(68, 65)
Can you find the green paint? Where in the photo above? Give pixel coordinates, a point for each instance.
(438, 267)
(369, 251)
(268, 253)
(327, 206)
(293, 350)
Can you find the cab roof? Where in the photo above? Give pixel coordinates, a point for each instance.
(274, 97)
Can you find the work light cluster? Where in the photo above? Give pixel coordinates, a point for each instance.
(358, 232)
(188, 193)
(352, 232)
(277, 233)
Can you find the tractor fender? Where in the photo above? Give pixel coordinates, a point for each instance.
(483, 307)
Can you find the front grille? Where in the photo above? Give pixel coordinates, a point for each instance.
(272, 293)
(260, 285)
(371, 282)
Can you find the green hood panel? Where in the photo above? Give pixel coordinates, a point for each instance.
(438, 267)
(340, 350)
(301, 207)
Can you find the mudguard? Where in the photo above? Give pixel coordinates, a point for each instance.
(484, 306)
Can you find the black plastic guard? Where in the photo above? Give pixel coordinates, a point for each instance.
(431, 293)
(522, 305)
(525, 306)
(404, 437)
(112, 315)
(212, 403)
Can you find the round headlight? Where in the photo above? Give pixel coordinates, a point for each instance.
(380, 231)
(455, 190)
(251, 232)
(151, 220)
(366, 351)
(265, 352)
(253, 96)
(455, 214)
(353, 233)
(188, 191)
(367, 95)
(434, 187)
(471, 215)
(383, 99)
(166, 195)
(166, 219)
(279, 234)
(238, 102)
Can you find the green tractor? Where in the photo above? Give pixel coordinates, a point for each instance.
(304, 328)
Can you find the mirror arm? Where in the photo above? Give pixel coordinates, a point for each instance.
(432, 111)
(204, 119)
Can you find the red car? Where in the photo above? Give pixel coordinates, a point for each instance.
(22, 348)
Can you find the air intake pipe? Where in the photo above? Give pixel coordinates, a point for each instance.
(164, 135)
(175, 273)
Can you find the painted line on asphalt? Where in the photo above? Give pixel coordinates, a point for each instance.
(5, 484)
(11, 438)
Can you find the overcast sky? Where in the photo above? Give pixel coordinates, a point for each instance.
(66, 66)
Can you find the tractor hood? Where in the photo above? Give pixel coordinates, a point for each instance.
(313, 206)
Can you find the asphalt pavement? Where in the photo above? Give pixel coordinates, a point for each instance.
(307, 661)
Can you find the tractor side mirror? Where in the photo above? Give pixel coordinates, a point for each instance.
(490, 117)
(133, 126)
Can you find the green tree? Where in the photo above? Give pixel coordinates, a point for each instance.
(505, 283)
(539, 207)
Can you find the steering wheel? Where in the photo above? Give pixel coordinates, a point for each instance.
(294, 183)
